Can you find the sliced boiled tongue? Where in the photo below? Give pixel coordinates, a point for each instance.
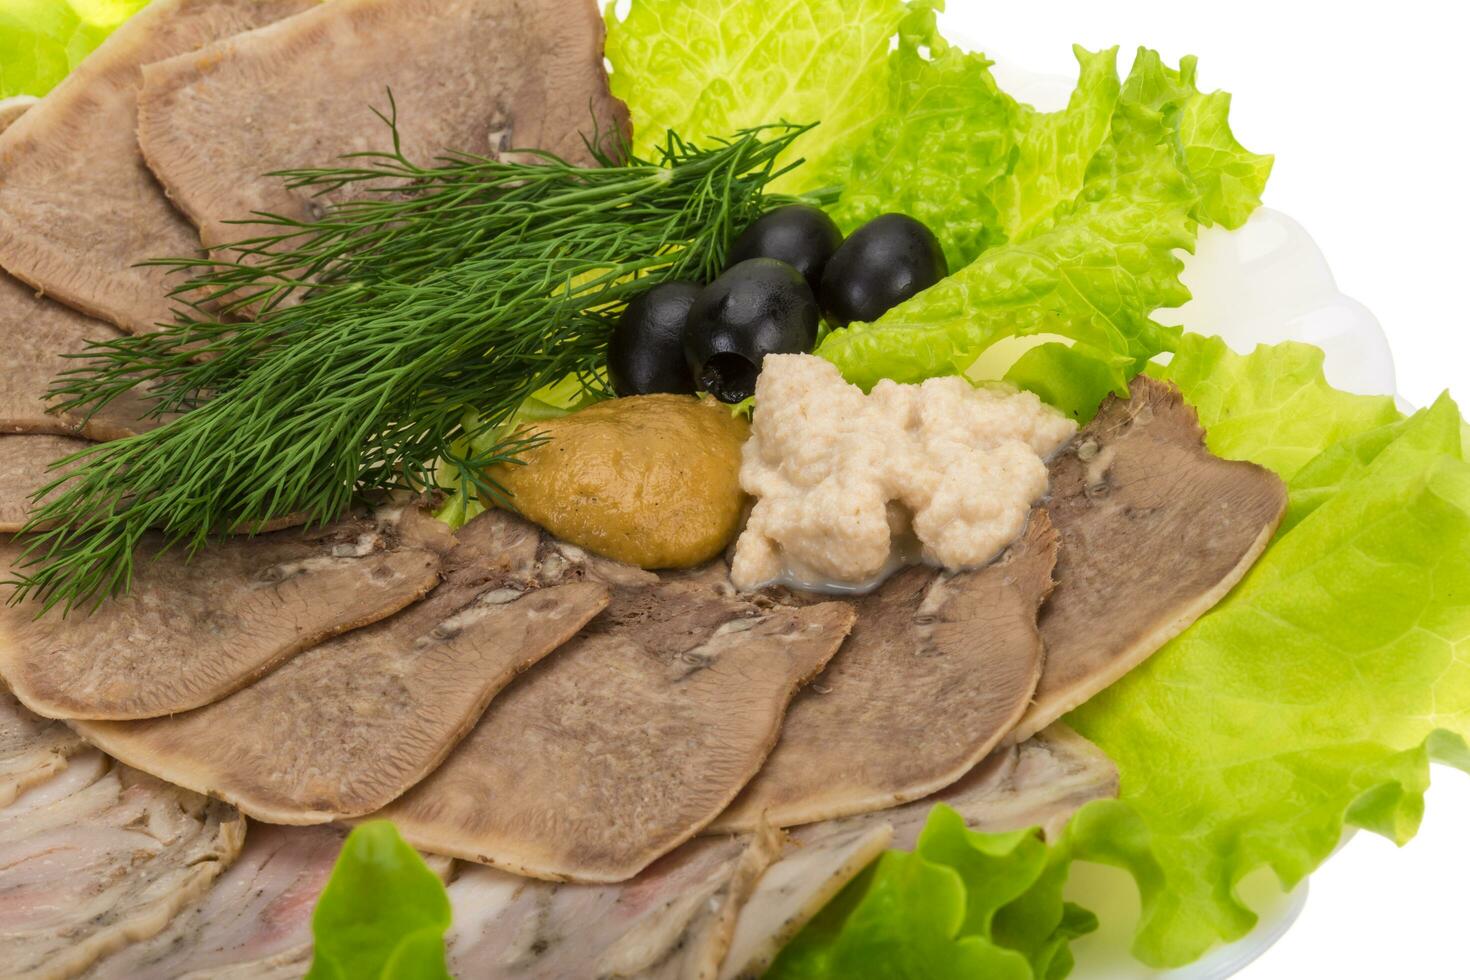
(194, 629)
(1155, 530)
(938, 669)
(42, 339)
(25, 468)
(346, 726)
(466, 76)
(630, 739)
(78, 208)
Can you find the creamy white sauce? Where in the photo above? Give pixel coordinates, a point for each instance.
(849, 486)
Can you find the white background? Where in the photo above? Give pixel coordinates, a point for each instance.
(1363, 106)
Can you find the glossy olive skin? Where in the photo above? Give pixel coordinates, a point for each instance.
(880, 265)
(797, 234)
(645, 354)
(758, 307)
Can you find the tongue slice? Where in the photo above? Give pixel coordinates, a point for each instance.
(1155, 530)
(78, 207)
(345, 727)
(630, 739)
(13, 108)
(25, 467)
(39, 334)
(193, 630)
(939, 669)
(469, 76)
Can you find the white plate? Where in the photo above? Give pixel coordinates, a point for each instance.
(1264, 283)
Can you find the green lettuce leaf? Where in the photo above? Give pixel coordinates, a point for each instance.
(41, 41)
(1315, 696)
(1063, 224)
(1103, 263)
(383, 913)
(946, 135)
(1341, 465)
(707, 68)
(1054, 149)
(1072, 377)
(1228, 177)
(963, 904)
(1272, 406)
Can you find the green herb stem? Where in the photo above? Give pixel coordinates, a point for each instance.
(328, 359)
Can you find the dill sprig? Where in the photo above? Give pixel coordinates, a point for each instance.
(331, 358)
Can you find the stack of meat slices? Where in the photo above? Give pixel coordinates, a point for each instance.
(511, 701)
(507, 700)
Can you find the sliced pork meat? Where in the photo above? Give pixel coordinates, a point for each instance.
(38, 337)
(32, 748)
(630, 739)
(25, 467)
(92, 864)
(796, 888)
(1155, 530)
(193, 630)
(255, 918)
(510, 928)
(347, 726)
(939, 669)
(78, 207)
(82, 770)
(1040, 783)
(673, 921)
(472, 76)
(254, 923)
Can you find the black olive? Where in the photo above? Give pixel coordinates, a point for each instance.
(645, 354)
(880, 265)
(801, 235)
(758, 307)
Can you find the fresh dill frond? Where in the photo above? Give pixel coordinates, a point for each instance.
(331, 358)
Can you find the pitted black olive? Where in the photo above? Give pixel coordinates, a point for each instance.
(758, 307)
(880, 265)
(645, 355)
(800, 235)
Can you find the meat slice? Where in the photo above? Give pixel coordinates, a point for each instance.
(254, 923)
(32, 748)
(78, 207)
(256, 916)
(939, 669)
(471, 76)
(1155, 530)
(13, 108)
(511, 928)
(193, 630)
(1041, 783)
(25, 467)
(344, 728)
(38, 334)
(632, 738)
(102, 862)
(674, 920)
(797, 887)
